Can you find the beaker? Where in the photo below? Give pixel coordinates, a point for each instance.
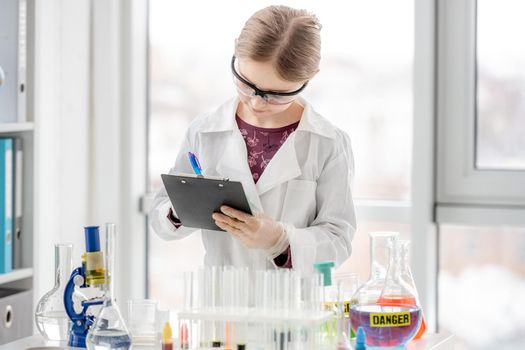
(50, 315)
(109, 330)
(142, 321)
(347, 284)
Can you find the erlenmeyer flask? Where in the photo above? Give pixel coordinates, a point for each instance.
(400, 288)
(109, 330)
(50, 315)
(370, 292)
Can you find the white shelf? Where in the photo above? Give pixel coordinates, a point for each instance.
(16, 275)
(16, 127)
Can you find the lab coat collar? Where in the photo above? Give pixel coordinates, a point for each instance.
(233, 165)
(282, 167)
(223, 119)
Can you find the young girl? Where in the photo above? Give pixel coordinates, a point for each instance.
(295, 167)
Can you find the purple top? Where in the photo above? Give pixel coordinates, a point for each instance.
(262, 144)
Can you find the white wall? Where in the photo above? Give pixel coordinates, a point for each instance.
(61, 113)
(90, 130)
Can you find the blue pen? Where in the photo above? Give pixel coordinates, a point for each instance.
(195, 163)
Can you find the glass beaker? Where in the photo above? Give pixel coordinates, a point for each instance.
(142, 321)
(50, 315)
(347, 284)
(109, 330)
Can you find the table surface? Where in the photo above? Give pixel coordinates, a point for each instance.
(441, 341)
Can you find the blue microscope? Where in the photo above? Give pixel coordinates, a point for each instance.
(91, 274)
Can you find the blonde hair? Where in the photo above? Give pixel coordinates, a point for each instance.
(287, 37)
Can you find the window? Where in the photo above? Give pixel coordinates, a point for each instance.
(480, 202)
(364, 87)
(472, 161)
(481, 285)
(500, 85)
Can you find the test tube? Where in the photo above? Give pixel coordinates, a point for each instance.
(216, 304)
(260, 286)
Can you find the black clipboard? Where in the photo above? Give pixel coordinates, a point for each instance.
(196, 198)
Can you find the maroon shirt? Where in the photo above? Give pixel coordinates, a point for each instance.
(262, 144)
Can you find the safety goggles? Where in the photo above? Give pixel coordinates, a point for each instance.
(247, 89)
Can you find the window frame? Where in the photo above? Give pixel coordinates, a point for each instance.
(459, 181)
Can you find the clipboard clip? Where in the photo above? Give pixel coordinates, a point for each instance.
(224, 179)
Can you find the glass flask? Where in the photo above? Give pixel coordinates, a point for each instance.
(50, 315)
(385, 306)
(109, 330)
(400, 287)
(380, 245)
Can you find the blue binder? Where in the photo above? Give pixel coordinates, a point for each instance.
(6, 205)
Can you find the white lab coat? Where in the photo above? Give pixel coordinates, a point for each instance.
(306, 186)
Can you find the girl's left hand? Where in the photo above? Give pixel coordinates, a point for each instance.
(259, 231)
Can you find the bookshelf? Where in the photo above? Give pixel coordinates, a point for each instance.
(16, 275)
(10, 128)
(21, 278)
(17, 121)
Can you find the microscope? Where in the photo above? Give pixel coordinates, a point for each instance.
(91, 274)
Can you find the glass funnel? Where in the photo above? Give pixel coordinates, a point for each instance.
(109, 330)
(50, 316)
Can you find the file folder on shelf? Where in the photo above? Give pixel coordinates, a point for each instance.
(13, 57)
(18, 232)
(6, 205)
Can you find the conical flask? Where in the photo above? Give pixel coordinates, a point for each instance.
(50, 315)
(109, 330)
(370, 291)
(400, 288)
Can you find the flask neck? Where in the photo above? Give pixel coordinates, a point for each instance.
(395, 265)
(380, 244)
(63, 264)
(404, 252)
(109, 268)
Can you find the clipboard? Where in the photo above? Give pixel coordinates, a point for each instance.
(196, 198)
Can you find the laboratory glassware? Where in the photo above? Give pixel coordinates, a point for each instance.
(143, 321)
(400, 288)
(284, 311)
(329, 300)
(109, 330)
(347, 284)
(385, 323)
(50, 315)
(380, 246)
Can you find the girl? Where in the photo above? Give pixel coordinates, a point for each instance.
(295, 166)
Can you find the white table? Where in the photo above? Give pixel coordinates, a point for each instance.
(443, 341)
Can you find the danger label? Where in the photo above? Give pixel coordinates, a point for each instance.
(391, 319)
